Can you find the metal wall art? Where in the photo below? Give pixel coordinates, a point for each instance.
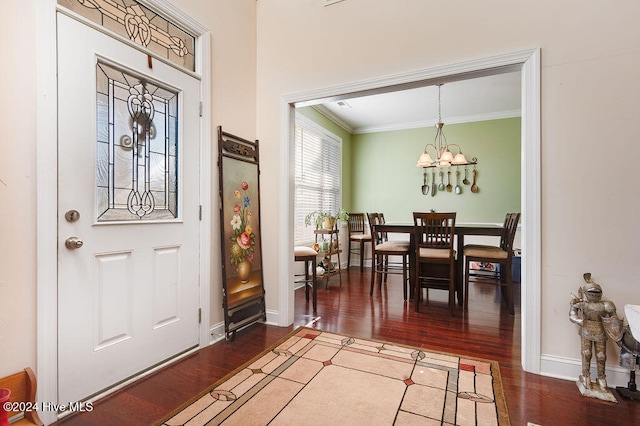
(243, 288)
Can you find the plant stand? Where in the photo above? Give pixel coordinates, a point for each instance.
(332, 249)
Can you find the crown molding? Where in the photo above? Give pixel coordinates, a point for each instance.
(412, 124)
(331, 116)
(431, 123)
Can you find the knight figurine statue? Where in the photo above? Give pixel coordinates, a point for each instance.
(596, 319)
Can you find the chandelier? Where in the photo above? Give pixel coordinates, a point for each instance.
(443, 157)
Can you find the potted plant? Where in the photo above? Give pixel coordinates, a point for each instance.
(342, 215)
(326, 220)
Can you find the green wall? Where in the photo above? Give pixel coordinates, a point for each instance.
(385, 177)
(379, 170)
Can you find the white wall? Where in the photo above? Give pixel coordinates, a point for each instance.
(590, 102)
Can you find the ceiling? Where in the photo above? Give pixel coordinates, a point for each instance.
(476, 99)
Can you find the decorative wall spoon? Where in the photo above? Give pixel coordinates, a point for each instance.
(425, 187)
(458, 188)
(474, 187)
(449, 187)
(465, 180)
(433, 183)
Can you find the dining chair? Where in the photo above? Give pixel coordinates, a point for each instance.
(435, 254)
(358, 236)
(308, 256)
(381, 250)
(501, 255)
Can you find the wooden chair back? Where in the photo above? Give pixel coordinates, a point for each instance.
(434, 230)
(374, 219)
(355, 223)
(510, 227)
(23, 389)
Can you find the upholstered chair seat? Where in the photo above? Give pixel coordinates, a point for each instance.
(487, 252)
(393, 246)
(434, 253)
(300, 251)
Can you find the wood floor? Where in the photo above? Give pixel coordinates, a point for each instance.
(485, 331)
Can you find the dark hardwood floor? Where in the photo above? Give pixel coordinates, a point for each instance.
(486, 331)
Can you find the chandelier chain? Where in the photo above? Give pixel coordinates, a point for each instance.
(439, 105)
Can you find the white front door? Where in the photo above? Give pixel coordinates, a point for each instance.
(128, 179)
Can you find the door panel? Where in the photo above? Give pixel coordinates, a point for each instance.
(128, 164)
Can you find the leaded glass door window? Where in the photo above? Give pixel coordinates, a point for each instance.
(137, 147)
(141, 25)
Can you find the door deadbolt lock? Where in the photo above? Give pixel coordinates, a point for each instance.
(73, 243)
(72, 216)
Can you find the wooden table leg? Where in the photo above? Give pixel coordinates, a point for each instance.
(413, 273)
(460, 269)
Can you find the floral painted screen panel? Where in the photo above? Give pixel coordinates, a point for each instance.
(137, 147)
(141, 25)
(239, 178)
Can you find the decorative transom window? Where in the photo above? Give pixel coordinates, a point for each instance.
(137, 147)
(141, 25)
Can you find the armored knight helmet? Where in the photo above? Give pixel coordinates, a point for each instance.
(591, 287)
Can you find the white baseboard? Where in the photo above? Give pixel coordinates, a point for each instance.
(273, 317)
(570, 369)
(217, 330)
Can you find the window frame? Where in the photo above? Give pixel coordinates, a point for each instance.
(331, 139)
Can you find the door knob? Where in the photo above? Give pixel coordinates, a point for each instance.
(73, 243)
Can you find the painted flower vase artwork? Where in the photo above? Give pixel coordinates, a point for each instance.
(243, 239)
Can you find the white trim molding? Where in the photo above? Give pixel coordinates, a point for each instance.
(47, 203)
(531, 217)
(412, 124)
(571, 368)
(528, 61)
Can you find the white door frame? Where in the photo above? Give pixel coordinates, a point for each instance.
(528, 62)
(47, 194)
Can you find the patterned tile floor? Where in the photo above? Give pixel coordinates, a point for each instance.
(322, 378)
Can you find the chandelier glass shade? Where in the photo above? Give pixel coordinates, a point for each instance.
(441, 149)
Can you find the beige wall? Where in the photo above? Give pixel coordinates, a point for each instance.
(233, 95)
(590, 103)
(17, 187)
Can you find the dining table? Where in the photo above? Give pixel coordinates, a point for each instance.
(462, 229)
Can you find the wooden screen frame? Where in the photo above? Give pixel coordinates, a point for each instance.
(239, 192)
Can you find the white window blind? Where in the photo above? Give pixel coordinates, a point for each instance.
(318, 175)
